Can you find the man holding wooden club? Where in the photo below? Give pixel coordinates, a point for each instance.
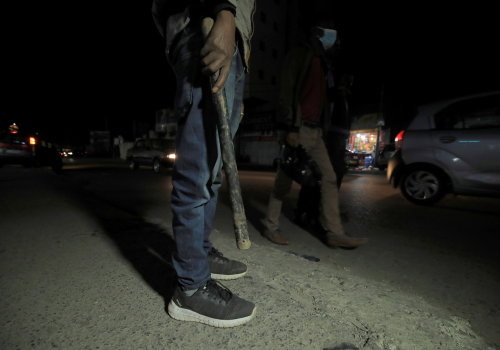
(197, 175)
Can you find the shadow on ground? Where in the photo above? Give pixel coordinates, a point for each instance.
(147, 246)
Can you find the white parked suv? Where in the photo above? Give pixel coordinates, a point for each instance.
(450, 146)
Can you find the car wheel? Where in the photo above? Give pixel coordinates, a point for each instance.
(156, 165)
(422, 186)
(133, 165)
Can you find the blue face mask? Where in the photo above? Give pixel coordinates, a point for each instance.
(328, 38)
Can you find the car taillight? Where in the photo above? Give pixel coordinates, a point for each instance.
(399, 140)
(32, 141)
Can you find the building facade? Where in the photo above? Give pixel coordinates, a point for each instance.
(275, 32)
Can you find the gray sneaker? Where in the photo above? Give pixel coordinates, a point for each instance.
(213, 305)
(222, 268)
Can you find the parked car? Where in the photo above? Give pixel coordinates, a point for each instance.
(152, 152)
(351, 159)
(385, 155)
(28, 149)
(450, 146)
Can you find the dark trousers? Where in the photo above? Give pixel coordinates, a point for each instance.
(335, 144)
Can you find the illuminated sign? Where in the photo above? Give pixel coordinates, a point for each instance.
(13, 128)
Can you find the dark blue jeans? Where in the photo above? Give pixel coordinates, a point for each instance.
(197, 175)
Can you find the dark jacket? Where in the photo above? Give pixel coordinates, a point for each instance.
(295, 70)
(172, 16)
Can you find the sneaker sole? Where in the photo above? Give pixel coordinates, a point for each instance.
(181, 314)
(216, 276)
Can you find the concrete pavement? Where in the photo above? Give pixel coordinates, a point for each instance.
(81, 272)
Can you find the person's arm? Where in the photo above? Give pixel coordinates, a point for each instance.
(163, 9)
(219, 49)
(213, 7)
(289, 75)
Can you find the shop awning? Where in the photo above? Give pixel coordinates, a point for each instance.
(363, 131)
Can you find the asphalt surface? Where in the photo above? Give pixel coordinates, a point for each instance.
(446, 254)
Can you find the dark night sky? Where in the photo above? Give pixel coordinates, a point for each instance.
(71, 67)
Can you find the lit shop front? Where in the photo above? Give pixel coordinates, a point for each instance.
(363, 141)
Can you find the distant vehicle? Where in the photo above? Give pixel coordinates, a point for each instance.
(28, 149)
(152, 152)
(450, 146)
(72, 153)
(385, 155)
(351, 159)
(67, 152)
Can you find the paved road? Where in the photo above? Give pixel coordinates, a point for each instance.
(446, 254)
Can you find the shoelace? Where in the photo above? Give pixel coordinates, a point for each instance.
(218, 289)
(218, 254)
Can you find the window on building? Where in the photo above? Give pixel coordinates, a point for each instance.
(262, 46)
(275, 53)
(275, 26)
(263, 17)
(261, 74)
(273, 80)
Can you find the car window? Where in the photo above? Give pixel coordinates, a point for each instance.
(139, 144)
(147, 143)
(477, 113)
(158, 143)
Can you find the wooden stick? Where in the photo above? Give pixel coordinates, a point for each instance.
(227, 150)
